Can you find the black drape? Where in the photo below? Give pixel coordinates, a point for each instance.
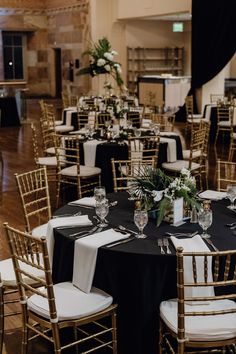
(213, 38)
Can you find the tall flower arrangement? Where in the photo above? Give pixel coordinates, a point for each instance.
(102, 61)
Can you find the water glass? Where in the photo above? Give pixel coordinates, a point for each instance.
(101, 210)
(99, 193)
(205, 221)
(140, 220)
(231, 194)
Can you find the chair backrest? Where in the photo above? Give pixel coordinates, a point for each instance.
(224, 113)
(135, 119)
(166, 121)
(226, 174)
(65, 99)
(34, 194)
(82, 119)
(32, 252)
(145, 147)
(189, 106)
(208, 269)
(197, 145)
(101, 119)
(67, 151)
(124, 171)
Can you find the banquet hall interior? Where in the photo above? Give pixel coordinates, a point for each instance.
(164, 78)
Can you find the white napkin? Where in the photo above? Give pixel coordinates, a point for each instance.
(195, 244)
(87, 201)
(213, 195)
(171, 149)
(90, 148)
(81, 220)
(85, 256)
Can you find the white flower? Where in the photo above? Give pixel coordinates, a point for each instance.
(113, 52)
(107, 67)
(108, 56)
(157, 195)
(118, 68)
(101, 62)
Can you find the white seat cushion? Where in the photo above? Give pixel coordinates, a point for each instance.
(58, 122)
(64, 128)
(47, 161)
(202, 328)
(40, 230)
(85, 171)
(225, 123)
(8, 274)
(71, 303)
(186, 154)
(179, 164)
(51, 151)
(197, 120)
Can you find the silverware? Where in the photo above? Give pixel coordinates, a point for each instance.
(70, 226)
(122, 228)
(130, 238)
(231, 224)
(233, 227)
(65, 215)
(85, 233)
(211, 244)
(179, 234)
(166, 244)
(111, 204)
(160, 244)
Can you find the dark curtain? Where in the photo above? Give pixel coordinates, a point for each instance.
(213, 38)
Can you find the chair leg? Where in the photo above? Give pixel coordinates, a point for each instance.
(160, 337)
(56, 338)
(114, 336)
(1, 315)
(24, 330)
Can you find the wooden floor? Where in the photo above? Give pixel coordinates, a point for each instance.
(16, 148)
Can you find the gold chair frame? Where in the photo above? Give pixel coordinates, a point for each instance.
(31, 251)
(226, 174)
(147, 146)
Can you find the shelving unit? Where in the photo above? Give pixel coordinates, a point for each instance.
(153, 61)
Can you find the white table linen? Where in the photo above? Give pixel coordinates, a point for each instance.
(90, 148)
(212, 195)
(86, 201)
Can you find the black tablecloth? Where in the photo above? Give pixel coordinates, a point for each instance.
(136, 274)
(9, 113)
(74, 119)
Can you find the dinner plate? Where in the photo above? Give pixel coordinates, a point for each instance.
(212, 195)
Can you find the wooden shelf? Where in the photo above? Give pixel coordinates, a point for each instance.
(142, 60)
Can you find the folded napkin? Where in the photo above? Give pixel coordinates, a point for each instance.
(171, 148)
(90, 148)
(85, 256)
(81, 220)
(213, 195)
(87, 201)
(195, 244)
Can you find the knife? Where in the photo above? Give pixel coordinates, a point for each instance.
(71, 226)
(130, 238)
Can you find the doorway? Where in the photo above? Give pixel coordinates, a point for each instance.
(58, 72)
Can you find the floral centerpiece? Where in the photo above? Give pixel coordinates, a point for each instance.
(102, 61)
(158, 191)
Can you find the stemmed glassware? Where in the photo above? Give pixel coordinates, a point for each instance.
(101, 210)
(137, 132)
(205, 221)
(140, 220)
(231, 194)
(99, 193)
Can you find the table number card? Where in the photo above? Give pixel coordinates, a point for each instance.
(178, 211)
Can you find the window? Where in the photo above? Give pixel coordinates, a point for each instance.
(13, 55)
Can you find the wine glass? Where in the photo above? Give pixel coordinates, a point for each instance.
(140, 220)
(231, 194)
(137, 132)
(101, 210)
(205, 221)
(156, 129)
(99, 193)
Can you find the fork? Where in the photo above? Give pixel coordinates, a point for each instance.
(211, 244)
(160, 244)
(166, 244)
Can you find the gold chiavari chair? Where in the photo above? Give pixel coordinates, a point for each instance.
(226, 174)
(224, 120)
(166, 121)
(65, 99)
(144, 147)
(124, 171)
(54, 307)
(192, 118)
(215, 98)
(232, 147)
(82, 119)
(50, 162)
(34, 194)
(134, 118)
(204, 322)
(51, 121)
(194, 160)
(101, 119)
(69, 170)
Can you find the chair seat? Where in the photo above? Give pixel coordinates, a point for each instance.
(202, 328)
(197, 120)
(51, 151)
(8, 274)
(64, 128)
(71, 303)
(186, 154)
(85, 171)
(40, 230)
(47, 161)
(58, 122)
(179, 164)
(224, 123)
(195, 116)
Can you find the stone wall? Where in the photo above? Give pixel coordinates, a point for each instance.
(59, 24)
